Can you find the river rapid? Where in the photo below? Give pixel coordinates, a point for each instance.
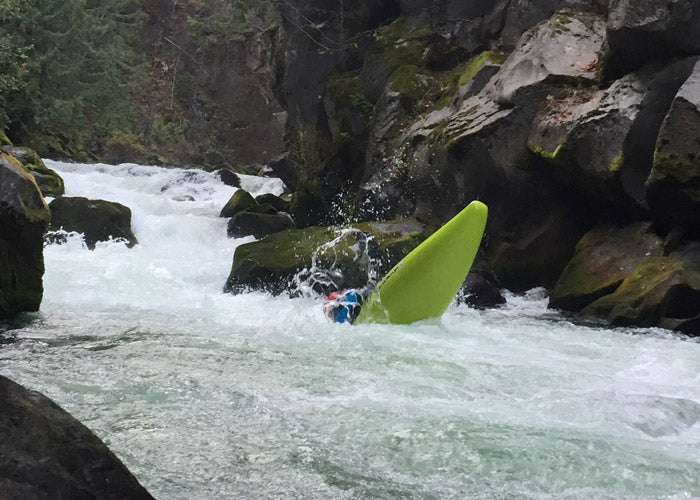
(206, 395)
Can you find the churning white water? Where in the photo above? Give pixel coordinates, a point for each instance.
(206, 395)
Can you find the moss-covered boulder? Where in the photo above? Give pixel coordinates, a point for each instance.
(277, 202)
(258, 224)
(240, 201)
(661, 291)
(674, 182)
(321, 258)
(24, 217)
(49, 182)
(46, 453)
(603, 258)
(97, 220)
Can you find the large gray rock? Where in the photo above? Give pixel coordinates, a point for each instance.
(47, 454)
(674, 183)
(524, 14)
(601, 141)
(604, 257)
(97, 220)
(24, 217)
(564, 48)
(640, 31)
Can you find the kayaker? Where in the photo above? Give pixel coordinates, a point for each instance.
(344, 305)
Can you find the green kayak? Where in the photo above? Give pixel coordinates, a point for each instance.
(422, 284)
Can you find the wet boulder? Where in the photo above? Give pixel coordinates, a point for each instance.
(276, 202)
(321, 259)
(97, 220)
(661, 291)
(481, 288)
(49, 182)
(229, 177)
(674, 182)
(24, 217)
(638, 32)
(46, 453)
(603, 258)
(257, 224)
(240, 201)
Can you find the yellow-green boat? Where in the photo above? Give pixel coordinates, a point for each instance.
(422, 285)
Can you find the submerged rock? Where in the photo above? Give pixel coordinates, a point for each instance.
(604, 257)
(98, 220)
(49, 182)
(24, 217)
(45, 453)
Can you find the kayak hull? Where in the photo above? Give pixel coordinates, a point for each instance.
(424, 283)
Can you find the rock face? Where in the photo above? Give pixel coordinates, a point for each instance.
(674, 183)
(24, 217)
(579, 125)
(641, 31)
(45, 453)
(98, 220)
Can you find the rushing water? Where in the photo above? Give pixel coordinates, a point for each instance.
(206, 395)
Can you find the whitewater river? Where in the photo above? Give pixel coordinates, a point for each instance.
(206, 395)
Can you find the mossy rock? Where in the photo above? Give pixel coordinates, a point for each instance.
(24, 217)
(308, 208)
(48, 180)
(661, 291)
(401, 44)
(322, 258)
(4, 140)
(278, 203)
(258, 224)
(473, 66)
(240, 201)
(603, 258)
(97, 220)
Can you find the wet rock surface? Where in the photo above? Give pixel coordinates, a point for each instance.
(97, 220)
(45, 453)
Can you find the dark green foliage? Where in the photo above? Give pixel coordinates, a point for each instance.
(68, 68)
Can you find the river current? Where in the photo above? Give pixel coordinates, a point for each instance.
(206, 395)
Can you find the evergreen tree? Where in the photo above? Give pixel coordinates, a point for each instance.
(76, 61)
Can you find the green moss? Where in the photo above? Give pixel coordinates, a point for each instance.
(401, 45)
(617, 162)
(410, 82)
(549, 155)
(682, 168)
(474, 65)
(4, 140)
